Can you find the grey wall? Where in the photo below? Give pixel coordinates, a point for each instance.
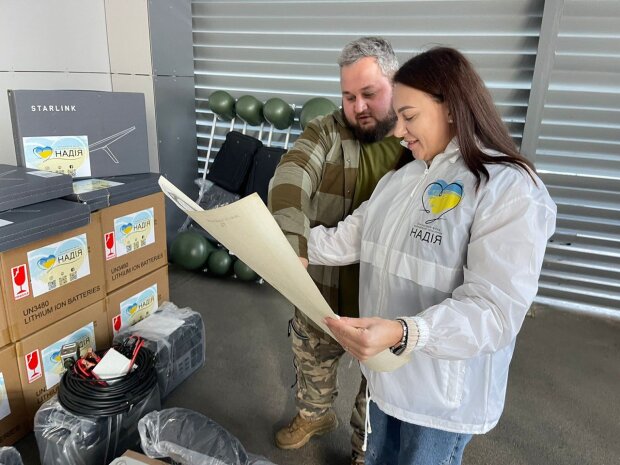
(113, 45)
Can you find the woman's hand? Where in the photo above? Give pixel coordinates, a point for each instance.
(365, 337)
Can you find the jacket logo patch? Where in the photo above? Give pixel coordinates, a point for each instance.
(439, 198)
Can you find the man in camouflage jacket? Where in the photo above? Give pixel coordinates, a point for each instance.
(332, 168)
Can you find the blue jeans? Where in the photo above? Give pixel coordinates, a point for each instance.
(395, 442)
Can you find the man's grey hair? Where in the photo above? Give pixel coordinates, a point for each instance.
(370, 47)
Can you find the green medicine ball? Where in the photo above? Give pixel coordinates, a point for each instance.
(190, 250)
(278, 113)
(222, 104)
(250, 109)
(244, 272)
(219, 262)
(318, 106)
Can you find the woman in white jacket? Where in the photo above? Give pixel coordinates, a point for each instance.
(451, 247)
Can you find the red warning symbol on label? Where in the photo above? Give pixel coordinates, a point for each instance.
(33, 365)
(110, 245)
(19, 276)
(116, 323)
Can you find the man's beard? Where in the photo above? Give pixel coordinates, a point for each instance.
(376, 133)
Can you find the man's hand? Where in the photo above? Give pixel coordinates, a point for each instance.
(304, 262)
(365, 337)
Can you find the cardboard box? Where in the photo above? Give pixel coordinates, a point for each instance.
(48, 280)
(134, 239)
(38, 357)
(133, 458)
(5, 335)
(23, 186)
(80, 132)
(13, 419)
(24, 225)
(137, 300)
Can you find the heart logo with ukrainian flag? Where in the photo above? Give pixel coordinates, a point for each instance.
(43, 152)
(441, 197)
(127, 228)
(47, 262)
(132, 308)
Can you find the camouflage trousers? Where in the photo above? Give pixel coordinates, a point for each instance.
(316, 355)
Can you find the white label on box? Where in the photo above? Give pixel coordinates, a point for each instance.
(33, 365)
(139, 306)
(52, 363)
(90, 185)
(4, 222)
(58, 264)
(43, 174)
(60, 154)
(5, 408)
(134, 231)
(19, 278)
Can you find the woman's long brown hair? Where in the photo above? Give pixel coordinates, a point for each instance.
(446, 75)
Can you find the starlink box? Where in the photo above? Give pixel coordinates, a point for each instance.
(48, 280)
(38, 355)
(137, 300)
(13, 423)
(79, 132)
(24, 225)
(132, 187)
(107, 192)
(133, 235)
(21, 186)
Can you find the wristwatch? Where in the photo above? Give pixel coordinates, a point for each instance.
(400, 347)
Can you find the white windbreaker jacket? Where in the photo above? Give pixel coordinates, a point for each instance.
(466, 263)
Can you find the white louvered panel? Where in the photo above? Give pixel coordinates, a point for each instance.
(578, 155)
(288, 49)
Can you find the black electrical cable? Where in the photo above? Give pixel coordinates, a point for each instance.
(92, 397)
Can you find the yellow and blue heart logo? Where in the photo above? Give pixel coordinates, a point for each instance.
(132, 308)
(127, 228)
(55, 357)
(43, 152)
(46, 263)
(440, 197)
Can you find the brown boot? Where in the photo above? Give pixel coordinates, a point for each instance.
(299, 432)
(357, 459)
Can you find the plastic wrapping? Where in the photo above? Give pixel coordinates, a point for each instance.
(215, 196)
(190, 438)
(67, 439)
(177, 337)
(10, 456)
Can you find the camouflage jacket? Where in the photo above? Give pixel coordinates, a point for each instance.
(314, 185)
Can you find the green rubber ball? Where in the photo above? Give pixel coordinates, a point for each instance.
(219, 262)
(315, 107)
(189, 250)
(250, 109)
(278, 113)
(222, 104)
(244, 272)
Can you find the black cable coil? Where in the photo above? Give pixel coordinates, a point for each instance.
(91, 397)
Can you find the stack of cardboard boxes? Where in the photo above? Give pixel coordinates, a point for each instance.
(135, 259)
(80, 275)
